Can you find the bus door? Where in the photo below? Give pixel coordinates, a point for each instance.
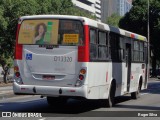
(128, 64)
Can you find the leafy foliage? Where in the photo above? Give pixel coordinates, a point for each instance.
(113, 20)
(136, 18)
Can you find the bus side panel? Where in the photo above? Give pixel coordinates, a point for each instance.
(124, 79)
(100, 76)
(97, 80)
(136, 73)
(119, 76)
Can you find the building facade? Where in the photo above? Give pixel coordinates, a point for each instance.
(124, 6)
(109, 7)
(90, 6)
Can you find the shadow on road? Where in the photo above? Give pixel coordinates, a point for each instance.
(75, 106)
(72, 106)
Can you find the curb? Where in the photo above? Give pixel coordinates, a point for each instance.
(8, 95)
(12, 95)
(6, 85)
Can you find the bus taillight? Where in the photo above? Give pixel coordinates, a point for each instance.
(17, 75)
(83, 71)
(18, 47)
(81, 77)
(16, 69)
(16, 72)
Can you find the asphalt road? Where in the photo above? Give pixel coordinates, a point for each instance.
(149, 102)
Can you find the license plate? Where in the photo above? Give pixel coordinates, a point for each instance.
(48, 77)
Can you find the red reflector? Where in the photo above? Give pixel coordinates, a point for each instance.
(17, 74)
(23, 88)
(131, 77)
(72, 91)
(81, 77)
(106, 76)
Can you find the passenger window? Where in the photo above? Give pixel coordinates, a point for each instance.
(93, 44)
(102, 46)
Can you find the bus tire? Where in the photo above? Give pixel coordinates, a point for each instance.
(136, 94)
(111, 96)
(56, 101)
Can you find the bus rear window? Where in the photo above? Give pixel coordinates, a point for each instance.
(52, 32)
(70, 32)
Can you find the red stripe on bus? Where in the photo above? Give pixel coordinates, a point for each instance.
(18, 47)
(132, 36)
(131, 76)
(106, 76)
(83, 51)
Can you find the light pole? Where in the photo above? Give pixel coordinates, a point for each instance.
(148, 26)
(148, 29)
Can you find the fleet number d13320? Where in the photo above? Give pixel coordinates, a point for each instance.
(62, 59)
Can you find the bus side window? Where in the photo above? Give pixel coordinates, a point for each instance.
(145, 53)
(141, 51)
(121, 48)
(93, 44)
(102, 45)
(136, 51)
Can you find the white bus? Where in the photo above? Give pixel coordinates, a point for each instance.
(62, 57)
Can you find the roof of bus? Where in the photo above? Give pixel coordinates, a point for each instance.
(90, 22)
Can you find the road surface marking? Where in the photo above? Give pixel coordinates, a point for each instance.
(144, 93)
(42, 119)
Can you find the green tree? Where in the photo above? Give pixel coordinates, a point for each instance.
(136, 21)
(11, 10)
(63, 7)
(53, 6)
(114, 20)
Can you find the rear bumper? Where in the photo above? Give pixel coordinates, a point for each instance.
(50, 90)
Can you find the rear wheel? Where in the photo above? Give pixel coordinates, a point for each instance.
(111, 97)
(56, 101)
